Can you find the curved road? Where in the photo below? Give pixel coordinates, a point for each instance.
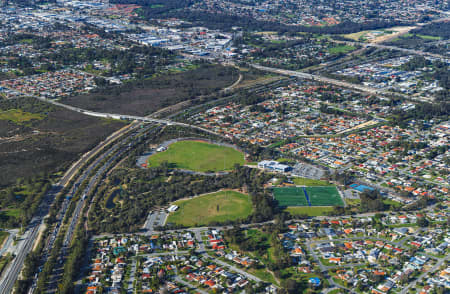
(124, 116)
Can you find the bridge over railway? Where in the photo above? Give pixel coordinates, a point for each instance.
(126, 117)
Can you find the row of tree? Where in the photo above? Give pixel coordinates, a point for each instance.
(438, 29)
(422, 111)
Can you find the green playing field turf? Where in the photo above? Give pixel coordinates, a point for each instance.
(324, 196)
(290, 196)
(198, 156)
(318, 196)
(215, 207)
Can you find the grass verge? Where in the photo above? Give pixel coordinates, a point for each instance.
(309, 211)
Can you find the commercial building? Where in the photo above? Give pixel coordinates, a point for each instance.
(273, 165)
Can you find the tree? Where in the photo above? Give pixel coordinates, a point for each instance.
(291, 286)
(371, 201)
(404, 279)
(422, 222)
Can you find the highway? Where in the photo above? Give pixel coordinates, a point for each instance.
(395, 48)
(124, 116)
(147, 119)
(37, 223)
(31, 234)
(12, 272)
(339, 83)
(60, 217)
(114, 151)
(405, 50)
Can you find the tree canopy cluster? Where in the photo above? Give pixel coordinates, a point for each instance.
(438, 29)
(142, 60)
(151, 188)
(371, 201)
(24, 197)
(423, 110)
(156, 9)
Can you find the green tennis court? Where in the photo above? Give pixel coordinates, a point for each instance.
(290, 196)
(324, 196)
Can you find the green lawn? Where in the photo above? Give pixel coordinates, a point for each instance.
(216, 207)
(353, 202)
(259, 236)
(428, 37)
(19, 116)
(356, 36)
(336, 291)
(310, 182)
(301, 278)
(277, 144)
(326, 262)
(264, 275)
(425, 37)
(341, 49)
(270, 254)
(321, 37)
(198, 156)
(278, 41)
(26, 41)
(13, 212)
(310, 211)
(403, 225)
(10, 215)
(393, 204)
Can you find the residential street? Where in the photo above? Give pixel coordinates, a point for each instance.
(423, 275)
(179, 280)
(132, 276)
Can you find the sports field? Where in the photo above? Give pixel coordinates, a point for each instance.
(341, 49)
(216, 207)
(307, 196)
(290, 196)
(323, 196)
(198, 156)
